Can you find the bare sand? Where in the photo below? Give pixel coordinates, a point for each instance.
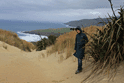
(17, 66)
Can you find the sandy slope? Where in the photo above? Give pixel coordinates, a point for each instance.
(17, 66)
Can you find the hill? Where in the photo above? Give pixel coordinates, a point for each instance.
(87, 22)
(47, 32)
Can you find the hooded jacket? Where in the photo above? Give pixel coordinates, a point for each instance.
(80, 41)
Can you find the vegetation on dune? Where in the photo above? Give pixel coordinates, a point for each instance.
(12, 38)
(43, 43)
(107, 47)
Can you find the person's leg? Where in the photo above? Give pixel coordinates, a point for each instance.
(79, 64)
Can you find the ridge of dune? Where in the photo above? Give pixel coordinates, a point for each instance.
(17, 66)
(4, 47)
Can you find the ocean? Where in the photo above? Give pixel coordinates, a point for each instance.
(20, 26)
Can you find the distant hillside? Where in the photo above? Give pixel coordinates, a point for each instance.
(47, 32)
(87, 22)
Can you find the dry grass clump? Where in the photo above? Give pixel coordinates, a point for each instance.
(107, 48)
(64, 41)
(13, 39)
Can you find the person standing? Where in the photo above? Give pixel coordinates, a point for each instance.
(80, 41)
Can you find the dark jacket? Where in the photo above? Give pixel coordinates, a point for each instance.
(80, 41)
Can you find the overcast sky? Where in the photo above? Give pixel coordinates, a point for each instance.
(56, 10)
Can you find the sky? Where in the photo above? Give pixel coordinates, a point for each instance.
(56, 10)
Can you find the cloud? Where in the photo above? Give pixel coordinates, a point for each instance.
(49, 5)
(59, 16)
(55, 10)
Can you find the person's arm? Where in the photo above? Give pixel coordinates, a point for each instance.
(86, 39)
(75, 44)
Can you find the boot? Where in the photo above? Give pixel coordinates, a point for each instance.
(78, 71)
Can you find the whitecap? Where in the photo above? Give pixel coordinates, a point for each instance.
(30, 37)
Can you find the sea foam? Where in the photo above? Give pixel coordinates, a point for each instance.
(30, 37)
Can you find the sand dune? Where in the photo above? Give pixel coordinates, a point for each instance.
(17, 66)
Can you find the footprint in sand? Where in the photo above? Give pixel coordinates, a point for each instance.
(57, 81)
(67, 77)
(61, 80)
(39, 57)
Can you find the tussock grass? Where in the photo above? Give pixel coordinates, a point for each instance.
(107, 48)
(12, 38)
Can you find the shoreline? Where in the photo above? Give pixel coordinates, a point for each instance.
(31, 36)
(43, 33)
(47, 32)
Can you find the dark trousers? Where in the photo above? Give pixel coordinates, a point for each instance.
(79, 64)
